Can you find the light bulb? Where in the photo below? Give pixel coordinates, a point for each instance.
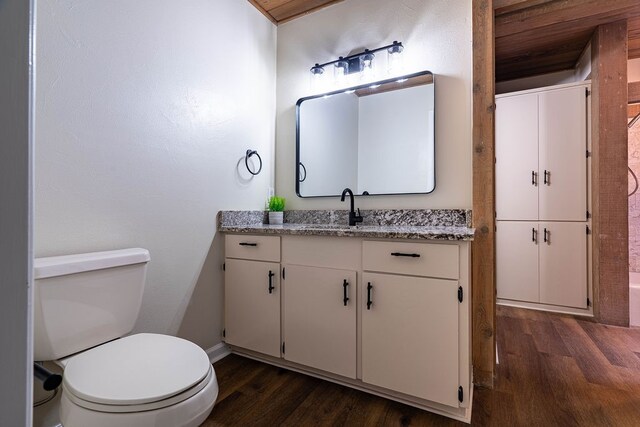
(394, 58)
(367, 72)
(340, 72)
(317, 78)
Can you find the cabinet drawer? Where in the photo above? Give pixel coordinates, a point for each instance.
(259, 248)
(417, 259)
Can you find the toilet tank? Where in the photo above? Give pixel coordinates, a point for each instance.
(84, 300)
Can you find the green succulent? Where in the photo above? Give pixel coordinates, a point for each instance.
(276, 204)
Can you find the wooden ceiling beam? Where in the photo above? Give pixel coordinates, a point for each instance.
(582, 12)
(502, 7)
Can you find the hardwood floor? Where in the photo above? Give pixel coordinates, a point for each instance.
(554, 371)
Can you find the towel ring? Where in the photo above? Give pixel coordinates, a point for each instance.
(305, 173)
(246, 161)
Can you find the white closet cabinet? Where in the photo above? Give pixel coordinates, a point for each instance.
(563, 264)
(517, 255)
(542, 262)
(541, 197)
(541, 162)
(320, 318)
(517, 157)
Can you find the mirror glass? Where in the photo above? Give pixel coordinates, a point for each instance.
(375, 139)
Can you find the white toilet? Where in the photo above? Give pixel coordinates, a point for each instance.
(83, 306)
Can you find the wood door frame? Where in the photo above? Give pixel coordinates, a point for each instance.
(484, 244)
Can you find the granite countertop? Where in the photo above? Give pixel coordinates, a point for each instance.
(442, 224)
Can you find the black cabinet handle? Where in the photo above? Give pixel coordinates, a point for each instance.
(405, 255)
(547, 177)
(369, 302)
(345, 296)
(247, 244)
(271, 287)
(547, 236)
(534, 175)
(534, 235)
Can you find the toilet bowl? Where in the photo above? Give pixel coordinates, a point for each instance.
(84, 305)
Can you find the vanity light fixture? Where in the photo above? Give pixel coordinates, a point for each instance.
(362, 64)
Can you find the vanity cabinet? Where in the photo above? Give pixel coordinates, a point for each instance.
(386, 316)
(319, 326)
(410, 335)
(252, 294)
(410, 318)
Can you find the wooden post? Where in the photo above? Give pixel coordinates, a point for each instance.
(483, 249)
(609, 174)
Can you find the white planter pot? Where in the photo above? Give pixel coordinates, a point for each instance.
(275, 218)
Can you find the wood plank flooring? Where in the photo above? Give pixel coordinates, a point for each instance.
(554, 371)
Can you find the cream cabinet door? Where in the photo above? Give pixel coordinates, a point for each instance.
(517, 260)
(410, 336)
(320, 318)
(252, 305)
(563, 264)
(563, 160)
(517, 157)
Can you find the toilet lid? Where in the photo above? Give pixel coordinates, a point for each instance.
(137, 369)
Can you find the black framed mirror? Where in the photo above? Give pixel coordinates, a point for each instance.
(377, 139)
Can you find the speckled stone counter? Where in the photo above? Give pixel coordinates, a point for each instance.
(438, 224)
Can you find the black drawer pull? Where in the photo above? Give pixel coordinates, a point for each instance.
(271, 287)
(247, 244)
(405, 255)
(369, 302)
(345, 296)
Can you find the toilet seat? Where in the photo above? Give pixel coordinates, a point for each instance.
(173, 400)
(138, 372)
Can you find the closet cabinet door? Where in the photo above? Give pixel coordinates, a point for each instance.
(517, 157)
(320, 318)
(563, 161)
(563, 264)
(517, 260)
(252, 305)
(410, 335)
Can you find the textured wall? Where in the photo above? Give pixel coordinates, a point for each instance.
(437, 36)
(145, 110)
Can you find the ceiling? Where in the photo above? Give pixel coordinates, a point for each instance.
(279, 11)
(532, 36)
(542, 36)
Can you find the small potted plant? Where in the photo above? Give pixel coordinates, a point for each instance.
(276, 210)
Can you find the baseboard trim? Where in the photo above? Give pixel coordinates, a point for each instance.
(218, 352)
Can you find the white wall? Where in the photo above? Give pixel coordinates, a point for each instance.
(395, 143)
(145, 111)
(15, 213)
(437, 37)
(633, 70)
(330, 132)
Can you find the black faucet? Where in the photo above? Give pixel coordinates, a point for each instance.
(353, 218)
